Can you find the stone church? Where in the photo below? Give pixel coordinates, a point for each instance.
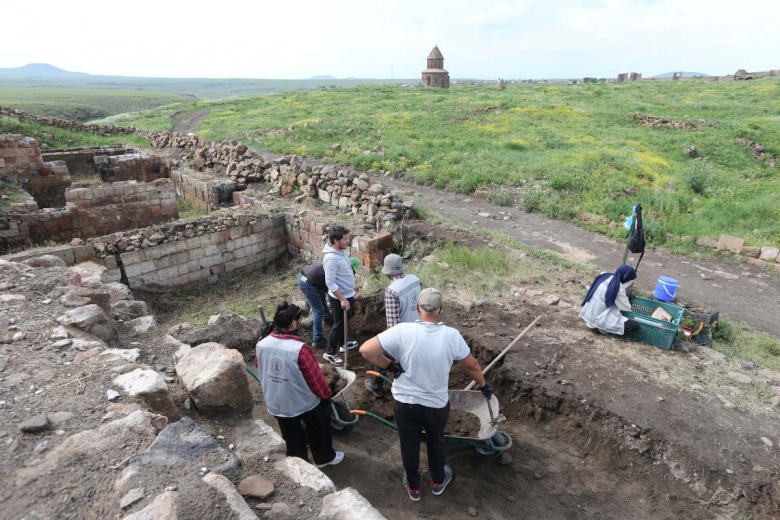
(435, 75)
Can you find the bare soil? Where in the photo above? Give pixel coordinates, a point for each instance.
(601, 428)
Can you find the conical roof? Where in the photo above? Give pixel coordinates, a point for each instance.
(435, 54)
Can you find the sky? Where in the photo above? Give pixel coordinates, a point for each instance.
(481, 39)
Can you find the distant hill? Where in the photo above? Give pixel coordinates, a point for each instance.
(38, 70)
(324, 76)
(669, 75)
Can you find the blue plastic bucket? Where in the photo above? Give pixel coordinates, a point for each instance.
(665, 289)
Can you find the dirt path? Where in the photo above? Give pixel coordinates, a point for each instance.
(189, 122)
(744, 293)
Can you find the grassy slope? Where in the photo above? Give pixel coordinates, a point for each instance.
(562, 150)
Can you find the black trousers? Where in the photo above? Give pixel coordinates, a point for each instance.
(411, 420)
(336, 336)
(630, 326)
(318, 433)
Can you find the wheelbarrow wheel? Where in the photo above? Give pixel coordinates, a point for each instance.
(501, 442)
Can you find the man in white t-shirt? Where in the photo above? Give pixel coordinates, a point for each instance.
(424, 352)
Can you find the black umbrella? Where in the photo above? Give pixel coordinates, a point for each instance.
(636, 237)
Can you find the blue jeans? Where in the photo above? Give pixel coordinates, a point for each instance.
(318, 302)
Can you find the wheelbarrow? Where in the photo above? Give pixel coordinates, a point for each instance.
(340, 417)
(489, 440)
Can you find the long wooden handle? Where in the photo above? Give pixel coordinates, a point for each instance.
(503, 352)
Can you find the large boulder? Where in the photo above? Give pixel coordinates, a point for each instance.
(215, 377)
(232, 330)
(184, 443)
(151, 388)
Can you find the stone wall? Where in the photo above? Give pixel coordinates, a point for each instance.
(118, 206)
(81, 161)
(288, 175)
(67, 124)
(203, 191)
(131, 167)
(21, 163)
(91, 212)
(182, 253)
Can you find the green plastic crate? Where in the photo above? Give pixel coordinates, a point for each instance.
(654, 332)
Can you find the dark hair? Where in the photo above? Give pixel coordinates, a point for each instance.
(285, 314)
(337, 233)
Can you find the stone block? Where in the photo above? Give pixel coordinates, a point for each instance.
(769, 254)
(729, 243)
(133, 257)
(706, 241)
(750, 252)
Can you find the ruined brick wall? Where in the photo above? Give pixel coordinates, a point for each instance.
(21, 163)
(91, 212)
(307, 236)
(131, 167)
(206, 193)
(120, 206)
(35, 227)
(81, 161)
(180, 254)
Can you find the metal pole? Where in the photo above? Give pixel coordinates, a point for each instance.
(503, 352)
(346, 338)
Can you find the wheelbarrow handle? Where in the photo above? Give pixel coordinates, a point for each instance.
(374, 417)
(380, 376)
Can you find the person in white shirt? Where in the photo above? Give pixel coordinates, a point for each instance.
(425, 351)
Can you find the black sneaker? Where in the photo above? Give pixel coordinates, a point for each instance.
(350, 345)
(438, 489)
(319, 344)
(378, 392)
(414, 494)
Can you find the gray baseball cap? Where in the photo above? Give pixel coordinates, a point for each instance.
(429, 300)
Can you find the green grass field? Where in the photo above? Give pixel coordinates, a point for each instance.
(86, 97)
(84, 103)
(562, 150)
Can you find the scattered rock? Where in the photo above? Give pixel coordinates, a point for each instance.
(234, 499)
(747, 365)
(59, 418)
(279, 511)
(712, 354)
(131, 497)
(768, 442)
(256, 487)
(163, 507)
(726, 402)
(740, 377)
(472, 511)
(35, 424)
(348, 504)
